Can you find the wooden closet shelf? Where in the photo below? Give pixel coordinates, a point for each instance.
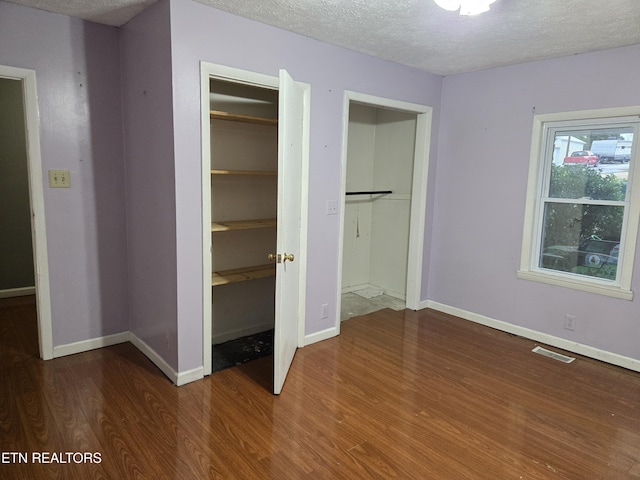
(243, 172)
(242, 224)
(225, 277)
(235, 117)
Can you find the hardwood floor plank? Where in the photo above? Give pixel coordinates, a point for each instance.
(397, 395)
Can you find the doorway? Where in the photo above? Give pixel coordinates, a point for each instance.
(385, 156)
(16, 252)
(255, 164)
(26, 79)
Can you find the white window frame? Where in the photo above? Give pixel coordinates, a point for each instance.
(539, 174)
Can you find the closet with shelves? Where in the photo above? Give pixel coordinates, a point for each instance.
(244, 190)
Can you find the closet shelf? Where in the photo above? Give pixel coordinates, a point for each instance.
(243, 172)
(242, 224)
(235, 117)
(235, 275)
(370, 192)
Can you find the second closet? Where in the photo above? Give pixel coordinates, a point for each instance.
(379, 177)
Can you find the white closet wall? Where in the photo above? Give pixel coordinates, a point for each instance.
(380, 156)
(358, 209)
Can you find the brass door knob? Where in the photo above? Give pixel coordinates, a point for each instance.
(274, 257)
(280, 258)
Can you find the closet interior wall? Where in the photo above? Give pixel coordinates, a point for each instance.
(380, 156)
(244, 162)
(16, 251)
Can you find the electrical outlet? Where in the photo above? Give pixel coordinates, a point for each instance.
(332, 207)
(59, 179)
(569, 322)
(324, 310)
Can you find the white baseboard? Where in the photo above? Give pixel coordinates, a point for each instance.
(178, 378)
(189, 376)
(91, 344)
(579, 348)
(17, 292)
(157, 360)
(319, 336)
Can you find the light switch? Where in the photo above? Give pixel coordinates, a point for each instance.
(59, 179)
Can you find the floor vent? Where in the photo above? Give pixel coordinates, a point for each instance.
(554, 355)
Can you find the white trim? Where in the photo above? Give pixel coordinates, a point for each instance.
(424, 304)
(36, 195)
(156, 359)
(17, 292)
(206, 70)
(563, 343)
(531, 236)
(320, 336)
(418, 208)
(304, 214)
(343, 188)
(424, 116)
(558, 280)
(189, 376)
(90, 344)
(178, 378)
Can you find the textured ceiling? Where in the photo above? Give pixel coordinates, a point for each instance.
(417, 32)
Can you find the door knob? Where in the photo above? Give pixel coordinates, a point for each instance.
(280, 258)
(274, 257)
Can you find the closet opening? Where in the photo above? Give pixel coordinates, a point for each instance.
(17, 280)
(25, 278)
(255, 164)
(244, 191)
(384, 184)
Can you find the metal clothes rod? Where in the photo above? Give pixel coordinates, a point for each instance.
(374, 192)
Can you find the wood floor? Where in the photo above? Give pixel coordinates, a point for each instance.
(408, 395)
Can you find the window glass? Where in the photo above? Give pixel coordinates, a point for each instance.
(582, 239)
(583, 201)
(583, 205)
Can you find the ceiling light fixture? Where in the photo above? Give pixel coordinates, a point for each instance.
(467, 7)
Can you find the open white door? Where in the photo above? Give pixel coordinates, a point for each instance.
(290, 155)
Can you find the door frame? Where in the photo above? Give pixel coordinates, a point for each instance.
(36, 199)
(235, 75)
(424, 115)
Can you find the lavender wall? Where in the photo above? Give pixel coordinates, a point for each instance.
(202, 33)
(150, 172)
(77, 68)
(483, 157)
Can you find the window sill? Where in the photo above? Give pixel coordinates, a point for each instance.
(576, 284)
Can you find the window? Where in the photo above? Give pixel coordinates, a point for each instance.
(582, 210)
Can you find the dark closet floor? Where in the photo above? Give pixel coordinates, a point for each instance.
(242, 350)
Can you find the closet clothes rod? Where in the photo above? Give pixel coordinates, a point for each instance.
(372, 192)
